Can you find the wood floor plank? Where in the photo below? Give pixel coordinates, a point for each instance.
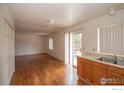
(44, 70)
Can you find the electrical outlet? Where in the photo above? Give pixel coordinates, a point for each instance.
(83, 48)
(94, 49)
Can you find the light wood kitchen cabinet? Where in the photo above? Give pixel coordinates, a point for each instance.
(79, 67)
(84, 69)
(87, 70)
(115, 79)
(99, 73)
(116, 75)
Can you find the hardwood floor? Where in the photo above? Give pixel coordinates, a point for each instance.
(44, 70)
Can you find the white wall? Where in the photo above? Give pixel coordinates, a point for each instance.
(90, 29)
(27, 44)
(7, 45)
(89, 32)
(5, 13)
(58, 45)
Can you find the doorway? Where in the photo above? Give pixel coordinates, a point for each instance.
(73, 45)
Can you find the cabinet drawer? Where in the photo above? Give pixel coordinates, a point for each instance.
(84, 60)
(100, 65)
(79, 59)
(116, 70)
(115, 79)
(87, 61)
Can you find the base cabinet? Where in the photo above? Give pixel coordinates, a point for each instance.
(115, 79)
(87, 70)
(98, 76)
(99, 73)
(116, 75)
(84, 69)
(80, 67)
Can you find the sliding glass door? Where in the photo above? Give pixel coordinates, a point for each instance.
(75, 47)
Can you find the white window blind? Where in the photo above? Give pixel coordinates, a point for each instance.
(111, 39)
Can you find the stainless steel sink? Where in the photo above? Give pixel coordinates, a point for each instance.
(111, 60)
(121, 63)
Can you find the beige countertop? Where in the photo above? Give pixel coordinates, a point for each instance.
(96, 57)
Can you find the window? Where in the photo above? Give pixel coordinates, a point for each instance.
(110, 39)
(51, 43)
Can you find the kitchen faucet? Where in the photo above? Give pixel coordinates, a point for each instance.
(115, 59)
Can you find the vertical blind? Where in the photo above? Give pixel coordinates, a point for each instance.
(111, 39)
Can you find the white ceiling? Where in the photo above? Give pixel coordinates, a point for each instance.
(34, 17)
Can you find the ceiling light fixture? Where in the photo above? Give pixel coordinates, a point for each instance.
(42, 33)
(112, 11)
(49, 21)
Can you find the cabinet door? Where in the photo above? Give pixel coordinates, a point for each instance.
(115, 79)
(116, 75)
(99, 75)
(87, 70)
(79, 67)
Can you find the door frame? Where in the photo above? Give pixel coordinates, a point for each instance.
(71, 45)
(69, 61)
